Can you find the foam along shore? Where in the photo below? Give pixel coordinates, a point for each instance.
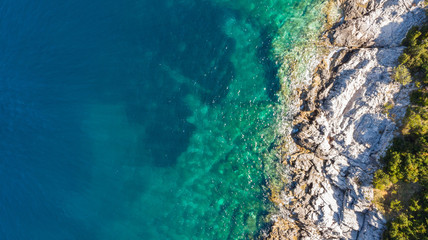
(343, 127)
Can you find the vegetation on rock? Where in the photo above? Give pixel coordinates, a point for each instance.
(404, 177)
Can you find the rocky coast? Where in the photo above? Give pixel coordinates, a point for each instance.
(348, 116)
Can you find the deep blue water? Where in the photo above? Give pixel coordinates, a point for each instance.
(137, 119)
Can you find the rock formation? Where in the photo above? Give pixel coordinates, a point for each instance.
(344, 128)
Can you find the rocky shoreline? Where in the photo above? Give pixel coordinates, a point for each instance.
(344, 127)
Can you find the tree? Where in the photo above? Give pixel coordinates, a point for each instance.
(402, 75)
(381, 180)
(396, 205)
(411, 168)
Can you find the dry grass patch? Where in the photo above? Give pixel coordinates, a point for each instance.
(400, 191)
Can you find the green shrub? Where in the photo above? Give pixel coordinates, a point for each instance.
(416, 122)
(418, 56)
(414, 206)
(425, 78)
(388, 106)
(396, 205)
(419, 97)
(403, 58)
(411, 36)
(381, 180)
(411, 168)
(402, 75)
(394, 167)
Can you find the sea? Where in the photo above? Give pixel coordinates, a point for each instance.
(144, 119)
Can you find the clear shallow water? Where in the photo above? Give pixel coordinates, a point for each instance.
(141, 119)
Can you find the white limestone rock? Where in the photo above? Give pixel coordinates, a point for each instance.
(347, 129)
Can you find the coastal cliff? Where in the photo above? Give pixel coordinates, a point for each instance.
(349, 115)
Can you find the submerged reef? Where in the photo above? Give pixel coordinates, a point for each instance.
(345, 124)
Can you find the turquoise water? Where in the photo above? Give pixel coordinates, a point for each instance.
(143, 119)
